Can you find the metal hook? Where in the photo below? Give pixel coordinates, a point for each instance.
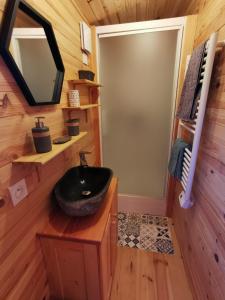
(4, 101)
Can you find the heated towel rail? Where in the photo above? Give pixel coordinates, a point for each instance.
(195, 128)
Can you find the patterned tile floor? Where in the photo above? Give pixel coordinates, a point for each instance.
(147, 232)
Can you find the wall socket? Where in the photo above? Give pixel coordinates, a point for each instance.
(18, 191)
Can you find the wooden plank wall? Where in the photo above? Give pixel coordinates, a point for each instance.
(22, 270)
(201, 229)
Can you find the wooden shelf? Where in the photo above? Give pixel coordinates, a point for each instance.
(85, 82)
(43, 158)
(82, 107)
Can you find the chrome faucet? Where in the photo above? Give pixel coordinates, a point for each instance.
(83, 161)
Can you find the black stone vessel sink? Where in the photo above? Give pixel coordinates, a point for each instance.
(82, 189)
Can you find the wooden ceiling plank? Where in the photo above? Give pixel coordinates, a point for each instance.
(121, 10)
(88, 19)
(176, 6)
(130, 7)
(102, 12)
(111, 11)
(87, 11)
(144, 10)
(139, 10)
(159, 9)
(151, 8)
(165, 9)
(98, 10)
(213, 10)
(193, 7)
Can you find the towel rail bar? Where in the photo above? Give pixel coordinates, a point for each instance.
(186, 127)
(185, 167)
(187, 162)
(185, 175)
(188, 152)
(183, 185)
(184, 181)
(187, 157)
(190, 157)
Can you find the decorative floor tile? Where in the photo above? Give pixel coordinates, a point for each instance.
(148, 243)
(147, 232)
(122, 216)
(134, 219)
(130, 240)
(163, 233)
(164, 246)
(133, 229)
(147, 219)
(161, 221)
(122, 227)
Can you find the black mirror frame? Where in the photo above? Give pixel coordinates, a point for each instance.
(5, 38)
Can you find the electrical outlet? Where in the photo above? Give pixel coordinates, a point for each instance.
(18, 191)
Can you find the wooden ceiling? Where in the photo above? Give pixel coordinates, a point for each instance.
(104, 12)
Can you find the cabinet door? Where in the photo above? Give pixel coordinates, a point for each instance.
(72, 270)
(114, 232)
(105, 260)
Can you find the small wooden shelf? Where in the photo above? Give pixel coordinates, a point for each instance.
(82, 107)
(43, 158)
(85, 82)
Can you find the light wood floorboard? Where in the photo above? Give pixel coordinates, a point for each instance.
(142, 275)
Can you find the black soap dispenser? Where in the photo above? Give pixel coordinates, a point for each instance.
(41, 136)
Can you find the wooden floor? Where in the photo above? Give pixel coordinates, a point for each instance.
(142, 275)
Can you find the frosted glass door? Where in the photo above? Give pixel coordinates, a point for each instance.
(137, 73)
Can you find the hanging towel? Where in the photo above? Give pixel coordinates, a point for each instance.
(194, 106)
(190, 87)
(176, 158)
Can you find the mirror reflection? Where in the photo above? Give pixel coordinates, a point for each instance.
(32, 54)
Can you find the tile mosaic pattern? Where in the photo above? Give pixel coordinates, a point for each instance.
(147, 232)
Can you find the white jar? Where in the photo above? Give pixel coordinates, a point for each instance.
(74, 98)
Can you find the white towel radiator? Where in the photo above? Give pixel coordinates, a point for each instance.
(195, 128)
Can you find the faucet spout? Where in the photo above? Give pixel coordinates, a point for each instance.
(83, 160)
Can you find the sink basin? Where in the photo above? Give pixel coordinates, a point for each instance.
(81, 190)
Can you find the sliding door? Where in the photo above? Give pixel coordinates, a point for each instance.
(137, 73)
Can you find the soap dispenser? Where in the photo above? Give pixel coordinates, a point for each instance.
(41, 136)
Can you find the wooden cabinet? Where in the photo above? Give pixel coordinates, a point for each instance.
(80, 253)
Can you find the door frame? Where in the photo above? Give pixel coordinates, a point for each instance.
(136, 28)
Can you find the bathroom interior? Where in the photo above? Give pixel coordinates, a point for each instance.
(112, 143)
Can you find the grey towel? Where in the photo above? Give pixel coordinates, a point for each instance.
(190, 87)
(176, 158)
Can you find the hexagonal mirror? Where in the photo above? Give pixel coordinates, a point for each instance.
(29, 48)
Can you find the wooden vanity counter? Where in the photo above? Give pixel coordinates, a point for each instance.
(82, 250)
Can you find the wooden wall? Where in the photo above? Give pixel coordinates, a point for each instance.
(201, 229)
(22, 270)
